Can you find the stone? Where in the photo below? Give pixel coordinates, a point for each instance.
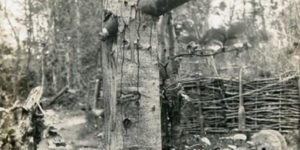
(242, 137)
(206, 140)
(232, 147)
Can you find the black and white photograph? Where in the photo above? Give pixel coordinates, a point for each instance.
(149, 74)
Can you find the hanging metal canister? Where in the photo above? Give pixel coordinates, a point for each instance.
(110, 27)
(159, 7)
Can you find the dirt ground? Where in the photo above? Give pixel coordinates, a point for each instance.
(73, 129)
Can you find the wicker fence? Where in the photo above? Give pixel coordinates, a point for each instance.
(214, 103)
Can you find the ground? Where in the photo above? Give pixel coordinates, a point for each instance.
(74, 129)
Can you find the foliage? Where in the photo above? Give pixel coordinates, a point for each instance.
(264, 27)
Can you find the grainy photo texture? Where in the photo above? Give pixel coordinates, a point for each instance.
(149, 74)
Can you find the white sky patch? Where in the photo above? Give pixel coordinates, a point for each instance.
(215, 21)
(233, 8)
(15, 11)
(218, 17)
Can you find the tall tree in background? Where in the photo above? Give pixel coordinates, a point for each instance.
(78, 64)
(16, 75)
(29, 26)
(171, 42)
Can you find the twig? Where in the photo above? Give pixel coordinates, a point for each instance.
(219, 51)
(260, 89)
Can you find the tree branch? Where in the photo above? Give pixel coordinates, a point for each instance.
(219, 51)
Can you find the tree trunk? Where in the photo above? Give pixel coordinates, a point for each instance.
(57, 63)
(161, 38)
(112, 140)
(51, 43)
(96, 94)
(78, 64)
(99, 66)
(29, 33)
(43, 82)
(54, 79)
(171, 41)
(143, 115)
(69, 66)
(18, 54)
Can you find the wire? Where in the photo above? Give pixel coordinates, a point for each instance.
(122, 47)
(138, 51)
(138, 65)
(150, 39)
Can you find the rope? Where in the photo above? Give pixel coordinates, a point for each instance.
(138, 65)
(150, 39)
(138, 51)
(122, 47)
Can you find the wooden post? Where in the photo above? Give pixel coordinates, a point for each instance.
(201, 116)
(280, 107)
(43, 67)
(69, 66)
(112, 141)
(96, 94)
(171, 43)
(299, 116)
(161, 38)
(241, 112)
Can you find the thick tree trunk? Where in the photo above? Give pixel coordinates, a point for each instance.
(143, 130)
(144, 114)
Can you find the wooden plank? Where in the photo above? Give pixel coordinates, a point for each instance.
(201, 116)
(241, 111)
